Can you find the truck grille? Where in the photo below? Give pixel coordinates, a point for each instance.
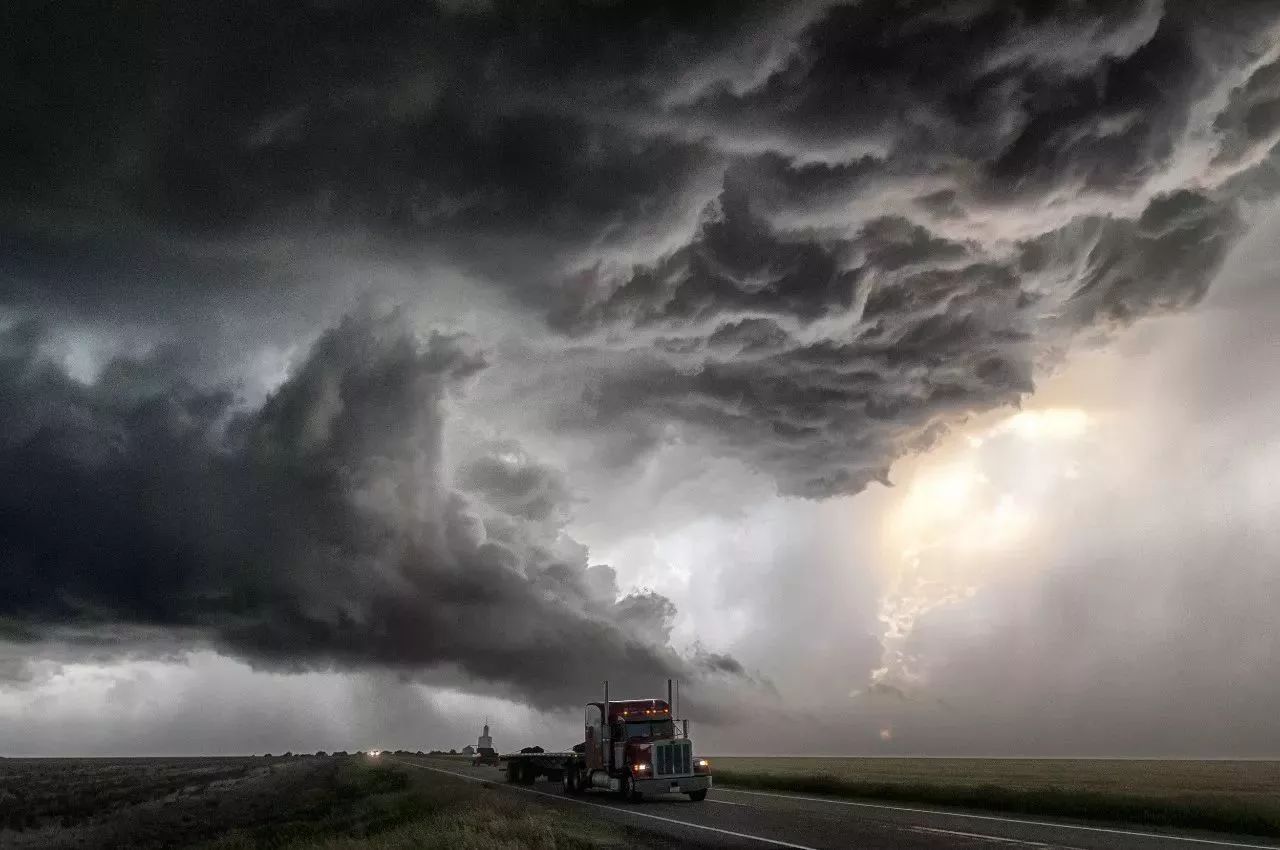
(673, 759)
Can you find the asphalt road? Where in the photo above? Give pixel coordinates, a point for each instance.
(750, 819)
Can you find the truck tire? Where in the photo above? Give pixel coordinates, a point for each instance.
(513, 772)
(699, 795)
(528, 774)
(570, 782)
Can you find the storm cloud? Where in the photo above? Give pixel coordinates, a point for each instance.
(317, 531)
(626, 247)
(1013, 202)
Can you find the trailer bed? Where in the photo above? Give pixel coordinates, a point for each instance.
(525, 768)
(563, 756)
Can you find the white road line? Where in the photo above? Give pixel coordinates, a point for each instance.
(1102, 829)
(725, 803)
(999, 839)
(759, 838)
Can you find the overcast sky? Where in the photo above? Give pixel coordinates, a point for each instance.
(898, 378)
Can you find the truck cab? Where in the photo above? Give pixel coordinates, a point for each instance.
(634, 747)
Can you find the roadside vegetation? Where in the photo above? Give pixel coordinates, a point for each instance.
(299, 803)
(381, 805)
(1241, 797)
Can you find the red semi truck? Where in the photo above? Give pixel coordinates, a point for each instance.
(633, 747)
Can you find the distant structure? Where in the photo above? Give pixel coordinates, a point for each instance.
(485, 753)
(468, 750)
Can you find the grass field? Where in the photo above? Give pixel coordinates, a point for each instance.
(1229, 796)
(335, 803)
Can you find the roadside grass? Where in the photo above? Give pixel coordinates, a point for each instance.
(475, 826)
(67, 792)
(384, 806)
(1209, 809)
(295, 803)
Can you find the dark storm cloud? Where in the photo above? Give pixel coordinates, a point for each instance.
(317, 531)
(907, 211)
(421, 124)
(516, 139)
(739, 263)
(836, 337)
(1163, 261)
(1037, 96)
(515, 483)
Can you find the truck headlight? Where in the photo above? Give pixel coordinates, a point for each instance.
(703, 763)
(639, 768)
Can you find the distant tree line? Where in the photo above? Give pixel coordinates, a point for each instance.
(343, 753)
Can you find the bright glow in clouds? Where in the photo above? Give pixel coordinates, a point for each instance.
(975, 498)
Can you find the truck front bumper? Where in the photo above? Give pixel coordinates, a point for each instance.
(673, 784)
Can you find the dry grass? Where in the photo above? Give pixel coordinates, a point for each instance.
(348, 803)
(476, 824)
(56, 802)
(1157, 778)
(1230, 796)
(399, 807)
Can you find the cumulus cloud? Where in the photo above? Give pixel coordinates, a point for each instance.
(511, 481)
(319, 530)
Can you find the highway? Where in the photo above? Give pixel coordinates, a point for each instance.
(731, 818)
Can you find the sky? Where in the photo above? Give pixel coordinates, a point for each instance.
(898, 378)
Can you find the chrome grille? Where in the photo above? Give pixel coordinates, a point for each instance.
(673, 759)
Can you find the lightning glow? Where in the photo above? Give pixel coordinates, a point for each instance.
(964, 510)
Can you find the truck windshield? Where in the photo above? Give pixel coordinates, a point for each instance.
(648, 729)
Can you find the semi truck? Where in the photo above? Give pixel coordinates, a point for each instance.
(632, 747)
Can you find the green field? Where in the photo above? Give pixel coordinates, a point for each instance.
(1230, 796)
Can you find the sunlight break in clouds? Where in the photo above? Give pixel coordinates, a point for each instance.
(964, 511)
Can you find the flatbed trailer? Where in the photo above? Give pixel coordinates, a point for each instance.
(525, 768)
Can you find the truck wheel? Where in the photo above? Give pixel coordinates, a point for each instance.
(513, 772)
(699, 795)
(528, 775)
(570, 781)
(629, 791)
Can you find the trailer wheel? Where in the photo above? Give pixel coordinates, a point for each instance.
(699, 795)
(528, 774)
(513, 772)
(570, 781)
